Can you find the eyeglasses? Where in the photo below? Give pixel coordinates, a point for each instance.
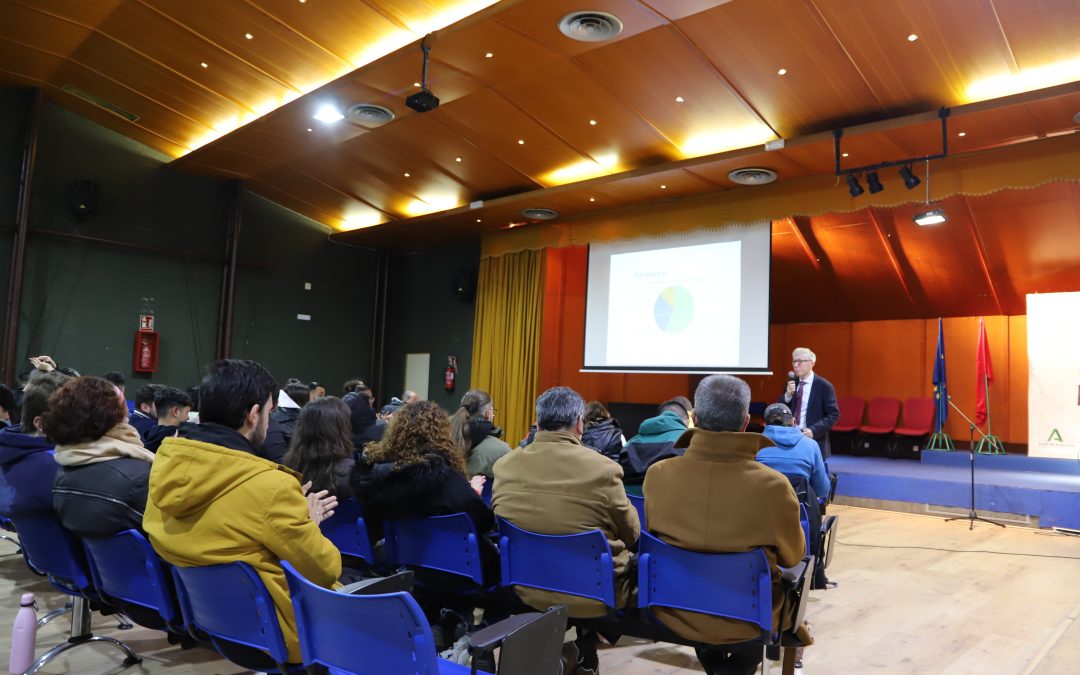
(798, 361)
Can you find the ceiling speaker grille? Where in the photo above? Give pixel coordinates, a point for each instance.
(369, 114)
(752, 176)
(540, 214)
(590, 26)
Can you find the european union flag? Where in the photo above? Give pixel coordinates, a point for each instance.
(941, 389)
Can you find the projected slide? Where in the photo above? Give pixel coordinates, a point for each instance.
(675, 306)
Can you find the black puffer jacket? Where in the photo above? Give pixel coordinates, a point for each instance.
(604, 437)
(101, 499)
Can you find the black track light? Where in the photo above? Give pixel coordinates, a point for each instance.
(911, 181)
(874, 183)
(853, 187)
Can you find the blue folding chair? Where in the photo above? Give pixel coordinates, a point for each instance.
(377, 630)
(6, 524)
(448, 544)
(639, 506)
(230, 604)
(574, 564)
(804, 521)
(485, 492)
(347, 530)
(128, 572)
(53, 551)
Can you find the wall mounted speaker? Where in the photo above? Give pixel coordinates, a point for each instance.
(464, 283)
(84, 198)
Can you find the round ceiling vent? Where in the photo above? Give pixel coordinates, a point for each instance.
(590, 26)
(752, 176)
(540, 214)
(369, 114)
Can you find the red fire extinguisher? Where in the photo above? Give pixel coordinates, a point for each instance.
(451, 374)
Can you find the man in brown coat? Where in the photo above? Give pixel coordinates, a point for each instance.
(556, 485)
(716, 498)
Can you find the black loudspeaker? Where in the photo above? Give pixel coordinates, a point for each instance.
(464, 283)
(84, 198)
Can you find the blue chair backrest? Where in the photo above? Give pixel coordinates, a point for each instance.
(347, 530)
(230, 602)
(804, 520)
(442, 543)
(731, 585)
(365, 634)
(126, 567)
(575, 564)
(639, 506)
(52, 550)
(485, 492)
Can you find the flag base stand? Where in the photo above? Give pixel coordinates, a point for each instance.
(941, 441)
(990, 445)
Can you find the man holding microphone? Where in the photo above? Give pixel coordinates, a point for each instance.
(812, 399)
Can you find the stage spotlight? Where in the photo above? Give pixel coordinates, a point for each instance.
(874, 183)
(911, 181)
(853, 187)
(934, 216)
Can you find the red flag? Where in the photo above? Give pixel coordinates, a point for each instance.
(984, 375)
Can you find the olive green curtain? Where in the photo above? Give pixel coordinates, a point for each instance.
(506, 337)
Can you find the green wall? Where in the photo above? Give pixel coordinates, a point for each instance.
(425, 316)
(81, 300)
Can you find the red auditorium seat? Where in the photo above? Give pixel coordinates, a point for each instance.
(851, 414)
(881, 420)
(918, 423)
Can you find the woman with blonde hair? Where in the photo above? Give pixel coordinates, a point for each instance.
(475, 434)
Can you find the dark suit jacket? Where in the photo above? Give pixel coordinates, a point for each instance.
(821, 412)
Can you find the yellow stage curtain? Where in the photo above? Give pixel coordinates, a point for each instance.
(506, 337)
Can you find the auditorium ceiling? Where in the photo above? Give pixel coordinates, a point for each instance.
(687, 91)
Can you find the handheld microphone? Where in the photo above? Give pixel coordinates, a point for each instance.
(791, 376)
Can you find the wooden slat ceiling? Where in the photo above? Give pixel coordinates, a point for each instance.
(684, 79)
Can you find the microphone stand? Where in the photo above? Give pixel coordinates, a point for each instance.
(972, 516)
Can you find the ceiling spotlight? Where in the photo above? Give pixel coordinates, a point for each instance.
(663, 187)
(249, 36)
(679, 99)
(782, 71)
(934, 216)
(204, 64)
(853, 187)
(962, 134)
(521, 141)
(874, 183)
(845, 154)
(488, 55)
(592, 199)
(912, 38)
(592, 123)
(423, 100)
(457, 159)
(911, 181)
(328, 113)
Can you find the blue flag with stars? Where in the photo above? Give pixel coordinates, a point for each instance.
(941, 388)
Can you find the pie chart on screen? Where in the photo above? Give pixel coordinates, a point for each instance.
(673, 309)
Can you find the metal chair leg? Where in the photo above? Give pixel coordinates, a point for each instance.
(54, 614)
(13, 540)
(81, 635)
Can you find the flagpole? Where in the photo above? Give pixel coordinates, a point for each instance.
(989, 444)
(940, 440)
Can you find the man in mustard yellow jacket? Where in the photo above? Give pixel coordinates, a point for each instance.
(213, 501)
(717, 498)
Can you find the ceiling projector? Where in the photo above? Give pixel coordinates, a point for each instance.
(422, 101)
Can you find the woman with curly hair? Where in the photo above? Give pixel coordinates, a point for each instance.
(104, 470)
(321, 448)
(416, 471)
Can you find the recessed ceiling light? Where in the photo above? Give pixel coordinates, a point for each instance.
(328, 113)
(249, 36)
(406, 174)
(479, 220)
(488, 55)
(962, 134)
(521, 141)
(204, 64)
(309, 129)
(416, 84)
(844, 155)
(592, 199)
(679, 99)
(912, 38)
(663, 187)
(457, 159)
(592, 123)
(782, 71)
(303, 2)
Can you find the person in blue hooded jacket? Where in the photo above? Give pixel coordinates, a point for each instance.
(795, 453)
(27, 467)
(655, 439)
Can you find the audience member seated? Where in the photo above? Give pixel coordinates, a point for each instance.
(416, 471)
(395, 403)
(213, 500)
(172, 406)
(283, 418)
(366, 425)
(144, 416)
(602, 432)
(322, 449)
(101, 486)
(656, 438)
(117, 378)
(475, 434)
(795, 453)
(555, 485)
(27, 467)
(7, 407)
(716, 498)
(317, 391)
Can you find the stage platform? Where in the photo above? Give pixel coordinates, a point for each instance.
(1044, 489)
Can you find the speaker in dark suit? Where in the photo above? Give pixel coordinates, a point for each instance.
(812, 399)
